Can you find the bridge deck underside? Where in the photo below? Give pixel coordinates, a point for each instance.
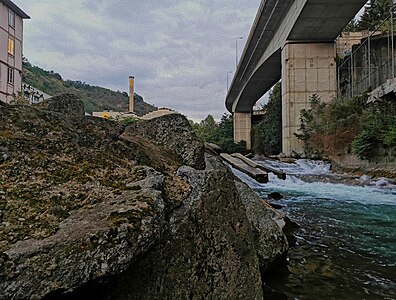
(267, 22)
(296, 21)
(323, 20)
(265, 77)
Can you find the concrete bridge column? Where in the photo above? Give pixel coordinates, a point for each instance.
(307, 69)
(243, 128)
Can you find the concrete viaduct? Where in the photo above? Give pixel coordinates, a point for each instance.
(292, 40)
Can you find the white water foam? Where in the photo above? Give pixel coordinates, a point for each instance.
(292, 186)
(301, 166)
(383, 183)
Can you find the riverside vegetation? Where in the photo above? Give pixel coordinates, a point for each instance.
(209, 131)
(348, 125)
(348, 132)
(351, 127)
(344, 128)
(91, 208)
(267, 135)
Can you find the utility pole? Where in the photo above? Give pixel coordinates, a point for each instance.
(369, 58)
(393, 49)
(352, 77)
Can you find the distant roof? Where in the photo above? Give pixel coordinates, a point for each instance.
(15, 8)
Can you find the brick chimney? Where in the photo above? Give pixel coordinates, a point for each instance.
(131, 88)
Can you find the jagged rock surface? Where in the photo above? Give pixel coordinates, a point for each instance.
(174, 132)
(91, 209)
(91, 242)
(271, 243)
(68, 104)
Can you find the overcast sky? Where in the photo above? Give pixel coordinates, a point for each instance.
(179, 51)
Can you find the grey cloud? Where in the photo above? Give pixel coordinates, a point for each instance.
(180, 51)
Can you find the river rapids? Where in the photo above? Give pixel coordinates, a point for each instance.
(346, 244)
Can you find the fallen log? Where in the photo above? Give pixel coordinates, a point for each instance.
(257, 174)
(252, 163)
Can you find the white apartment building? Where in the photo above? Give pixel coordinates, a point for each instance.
(11, 41)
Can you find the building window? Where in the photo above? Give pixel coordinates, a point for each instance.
(10, 75)
(11, 18)
(11, 46)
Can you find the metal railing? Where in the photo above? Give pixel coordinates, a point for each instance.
(371, 63)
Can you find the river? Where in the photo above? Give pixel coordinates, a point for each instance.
(346, 243)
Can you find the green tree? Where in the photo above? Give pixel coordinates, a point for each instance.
(95, 98)
(267, 135)
(327, 128)
(378, 130)
(374, 13)
(20, 99)
(221, 133)
(224, 136)
(352, 26)
(206, 128)
(348, 126)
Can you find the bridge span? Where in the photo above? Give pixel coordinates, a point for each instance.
(292, 40)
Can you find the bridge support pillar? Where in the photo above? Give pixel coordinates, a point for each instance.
(307, 69)
(243, 128)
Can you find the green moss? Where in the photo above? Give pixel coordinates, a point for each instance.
(131, 216)
(59, 165)
(7, 134)
(60, 213)
(90, 245)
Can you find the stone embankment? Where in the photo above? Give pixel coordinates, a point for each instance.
(379, 167)
(91, 209)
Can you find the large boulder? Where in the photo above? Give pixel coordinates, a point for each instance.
(91, 242)
(88, 210)
(175, 133)
(207, 250)
(268, 224)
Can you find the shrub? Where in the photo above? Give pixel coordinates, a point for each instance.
(267, 135)
(329, 128)
(344, 125)
(129, 120)
(378, 130)
(221, 133)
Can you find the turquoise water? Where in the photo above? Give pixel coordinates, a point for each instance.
(346, 243)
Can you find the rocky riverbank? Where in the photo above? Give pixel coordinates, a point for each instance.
(381, 171)
(90, 207)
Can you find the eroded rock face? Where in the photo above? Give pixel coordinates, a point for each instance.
(270, 241)
(68, 104)
(92, 242)
(207, 250)
(174, 132)
(123, 217)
